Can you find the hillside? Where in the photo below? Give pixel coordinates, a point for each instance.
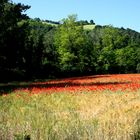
(86, 26)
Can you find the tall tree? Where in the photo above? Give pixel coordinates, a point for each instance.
(69, 41)
(50, 55)
(34, 49)
(11, 16)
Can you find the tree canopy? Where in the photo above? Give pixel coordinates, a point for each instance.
(35, 48)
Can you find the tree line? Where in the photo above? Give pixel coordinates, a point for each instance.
(30, 48)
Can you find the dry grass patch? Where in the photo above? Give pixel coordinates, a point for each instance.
(79, 116)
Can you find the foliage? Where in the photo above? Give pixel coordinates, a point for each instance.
(32, 48)
(70, 43)
(11, 42)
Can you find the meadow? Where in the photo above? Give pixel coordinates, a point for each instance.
(89, 27)
(98, 107)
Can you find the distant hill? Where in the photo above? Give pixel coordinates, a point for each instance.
(86, 24)
(86, 27)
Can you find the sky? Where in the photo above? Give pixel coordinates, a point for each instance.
(118, 13)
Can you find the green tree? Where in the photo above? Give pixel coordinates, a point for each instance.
(11, 41)
(92, 22)
(126, 59)
(70, 41)
(111, 39)
(34, 49)
(50, 55)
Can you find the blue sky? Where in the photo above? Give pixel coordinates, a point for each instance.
(119, 13)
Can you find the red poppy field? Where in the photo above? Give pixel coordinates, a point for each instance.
(98, 107)
(120, 82)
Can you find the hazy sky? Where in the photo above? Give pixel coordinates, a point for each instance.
(119, 13)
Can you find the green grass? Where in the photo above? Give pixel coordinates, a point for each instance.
(52, 24)
(65, 116)
(89, 27)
